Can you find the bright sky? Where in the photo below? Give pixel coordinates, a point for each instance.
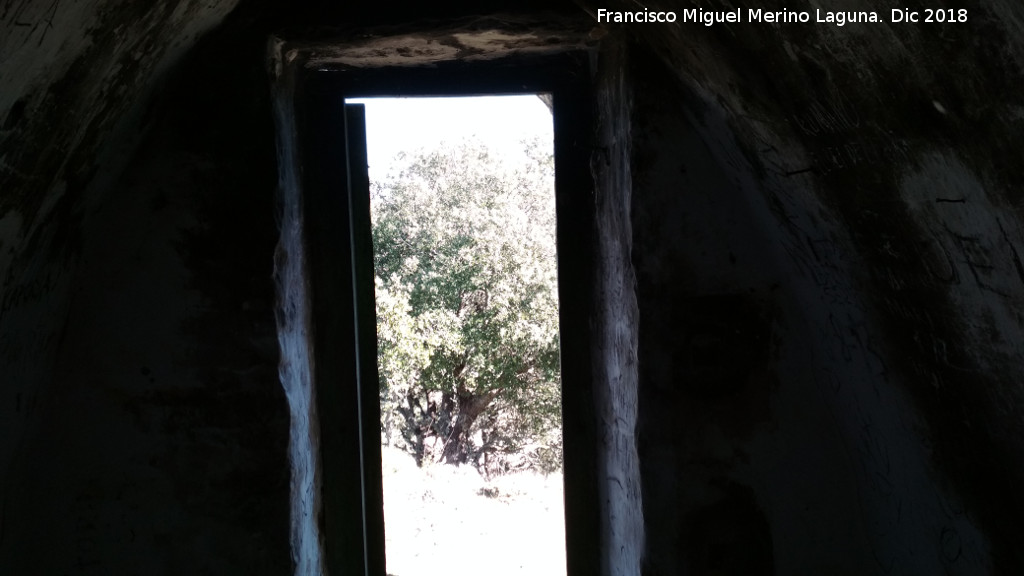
(396, 125)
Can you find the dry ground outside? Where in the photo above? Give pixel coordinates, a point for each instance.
(444, 520)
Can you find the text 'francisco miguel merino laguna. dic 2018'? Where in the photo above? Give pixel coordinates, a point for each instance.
(710, 17)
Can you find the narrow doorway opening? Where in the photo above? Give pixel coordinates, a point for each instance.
(325, 265)
(462, 206)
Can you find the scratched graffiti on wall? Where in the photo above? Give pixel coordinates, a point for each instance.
(33, 19)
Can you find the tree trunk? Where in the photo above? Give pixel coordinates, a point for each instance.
(456, 447)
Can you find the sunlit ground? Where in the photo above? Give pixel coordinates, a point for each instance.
(447, 521)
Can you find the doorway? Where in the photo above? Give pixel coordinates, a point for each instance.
(463, 220)
(326, 271)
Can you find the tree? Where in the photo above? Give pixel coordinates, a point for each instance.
(467, 308)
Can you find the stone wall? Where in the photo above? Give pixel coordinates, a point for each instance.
(615, 326)
(812, 326)
(155, 439)
(839, 204)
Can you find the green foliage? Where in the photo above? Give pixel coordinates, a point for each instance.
(467, 308)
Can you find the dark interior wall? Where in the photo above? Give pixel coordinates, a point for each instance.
(144, 425)
(774, 439)
(159, 444)
(827, 237)
(76, 79)
(825, 231)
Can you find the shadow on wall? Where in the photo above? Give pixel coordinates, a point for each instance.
(731, 536)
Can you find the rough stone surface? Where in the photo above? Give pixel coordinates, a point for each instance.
(866, 202)
(772, 400)
(615, 325)
(294, 329)
(154, 439)
(811, 351)
(473, 39)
